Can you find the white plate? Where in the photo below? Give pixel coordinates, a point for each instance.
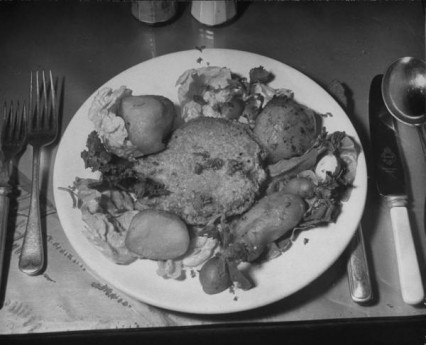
(274, 280)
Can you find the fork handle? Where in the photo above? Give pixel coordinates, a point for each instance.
(31, 260)
(4, 212)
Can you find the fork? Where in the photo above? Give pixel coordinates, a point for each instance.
(13, 140)
(42, 131)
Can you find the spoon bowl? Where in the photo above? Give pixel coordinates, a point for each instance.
(404, 93)
(404, 90)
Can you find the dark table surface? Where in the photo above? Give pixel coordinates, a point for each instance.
(90, 42)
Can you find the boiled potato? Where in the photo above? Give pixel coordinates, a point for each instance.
(149, 120)
(285, 128)
(157, 235)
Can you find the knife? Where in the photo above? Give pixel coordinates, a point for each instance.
(357, 268)
(390, 182)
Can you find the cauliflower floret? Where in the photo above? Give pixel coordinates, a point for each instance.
(110, 127)
(197, 81)
(170, 269)
(209, 111)
(103, 110)
(268, 92)
(191, 110)
(200, 250)
(105, 231)
(211, 85)
(217, 96)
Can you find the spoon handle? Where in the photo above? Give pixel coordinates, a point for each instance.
(422, 135)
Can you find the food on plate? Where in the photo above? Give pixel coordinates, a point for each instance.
(247, 170)
(131, 126)
(210, 167)
(108, 214)
(349, 155)
(268, 220)
(114, 169)
(110, 127)
(157, 235)
(327, 165)
(214, 276)
(214, 91)
(286, 128)
(261, 75)
(206, 90)
(304, 186)
(201, 248)
(149, 120)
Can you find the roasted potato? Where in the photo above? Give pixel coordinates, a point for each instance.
(285, 128)
(149, 120)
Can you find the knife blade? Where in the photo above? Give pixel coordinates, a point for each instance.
(390, 182)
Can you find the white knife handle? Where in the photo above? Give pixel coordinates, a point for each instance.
(408, 266)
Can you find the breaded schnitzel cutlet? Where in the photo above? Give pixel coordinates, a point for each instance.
(210, 167)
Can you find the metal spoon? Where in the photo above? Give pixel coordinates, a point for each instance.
(404, 93)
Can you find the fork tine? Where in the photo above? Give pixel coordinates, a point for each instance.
(37, 117)
(54, 114)
(5, 122)
(35, 105)
(44, 114)
(52, 88)
(9, 122)
(53, 99)
(4, 115)
(20, 122)
(14, 135)
(45, 118)
(31, 92)
(14, 122)
(24, 120)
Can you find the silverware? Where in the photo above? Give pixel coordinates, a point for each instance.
(13, 140)
(358, 271)
(42, 131)
(404, 93)
(390, 182)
